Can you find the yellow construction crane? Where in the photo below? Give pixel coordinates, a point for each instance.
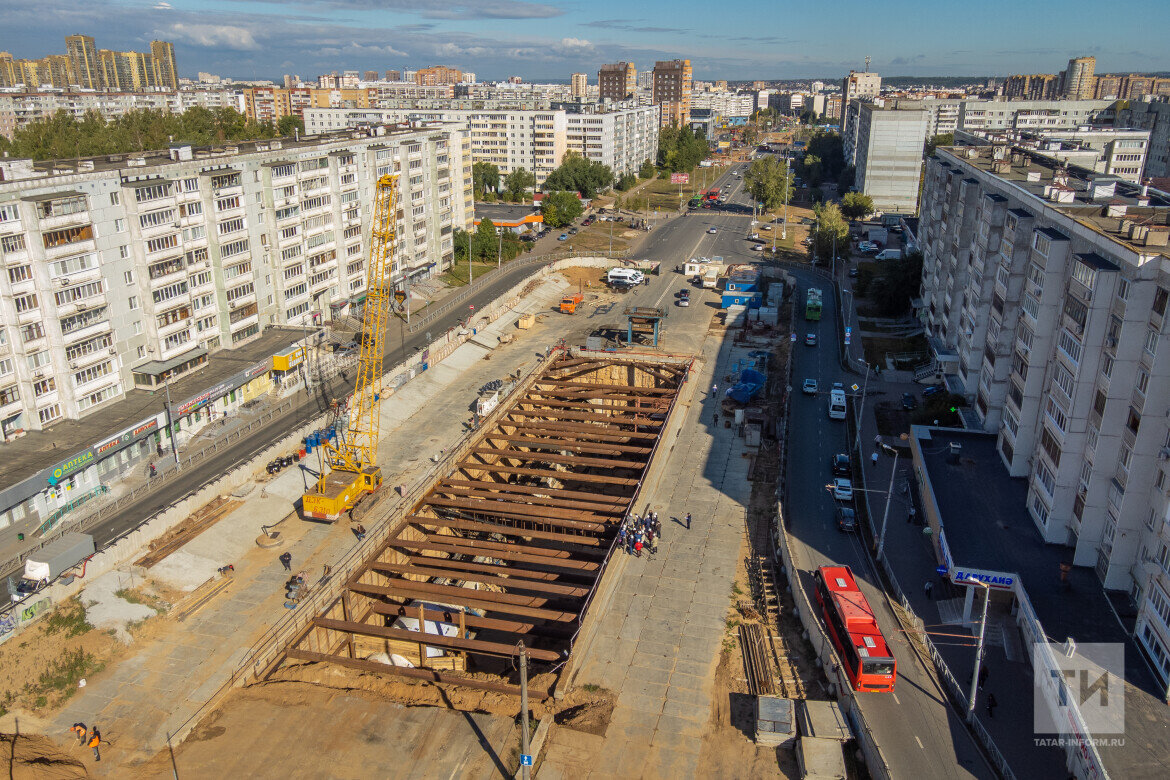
(349, 463)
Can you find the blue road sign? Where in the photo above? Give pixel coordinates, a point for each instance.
(525, 760)
(940, 571)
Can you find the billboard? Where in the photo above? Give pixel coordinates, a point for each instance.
(680, 178)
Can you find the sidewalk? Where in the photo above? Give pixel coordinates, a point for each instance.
(658, 643)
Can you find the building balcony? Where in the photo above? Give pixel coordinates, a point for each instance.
(175, 327)
(227, 192)
(166, 353)
(11, 409)
(64, 220)
(250, 320)
(244, 300)
(75, 248)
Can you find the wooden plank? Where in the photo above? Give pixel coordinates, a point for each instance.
(568, 444)
(515, 511)
(508, 487)
(560, 476)
(511, 554)
(496, 568)
(470, 619)
(519, 583)
(614, 507)
(640, 405)
(493, 528)
(572, 460)
(481, 546)
(441, 678)
(588, 432)
(632, 389)
(433, 640)
(464, 597)
(611, 420)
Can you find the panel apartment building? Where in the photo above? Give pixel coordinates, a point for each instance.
(885, 146)
(126, 271)
(536, 140)
(1045, 297)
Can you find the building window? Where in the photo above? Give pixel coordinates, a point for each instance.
(132, 302)
(1070, 346)
(1151, 345)
(1057, 414)
(1160, 296)
(1123, 289)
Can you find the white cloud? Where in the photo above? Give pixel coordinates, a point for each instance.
(569, 44)
(163, 7)
(215, 36)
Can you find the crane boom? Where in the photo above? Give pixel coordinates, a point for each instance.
(354, 458)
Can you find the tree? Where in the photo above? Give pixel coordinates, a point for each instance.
(680, 149)
(813, 170)
(576, 173)
(485, 176)
(290, 125)
(766, 182)
(518, 182)
(897, 282)
(560, 208)
(828, 150)
(845, 181)
(830, 230)
(855, 206)
(944, 139)
(647, 171)
(626, 181)
(751, 135)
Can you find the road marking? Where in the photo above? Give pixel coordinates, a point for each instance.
(916, 739)
(896, 700)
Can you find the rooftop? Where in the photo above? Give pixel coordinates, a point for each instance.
(988, 527)
(37, 450)
(1132, 215)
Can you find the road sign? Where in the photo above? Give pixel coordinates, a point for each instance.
(680, 178)
(792, 337)
(940, 571)
(854, 388)
(472, 307)
(400, 295)
(525, 760)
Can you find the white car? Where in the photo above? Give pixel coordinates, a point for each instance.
(712, 230)
(842, 489)
(810, 339)
(810, 386)
(757, 247)
(754, 236)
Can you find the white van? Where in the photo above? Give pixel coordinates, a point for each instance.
(836, 404)
(888, 254)
(625, 276)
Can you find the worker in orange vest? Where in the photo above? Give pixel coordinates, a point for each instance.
(79, 730)
(95, 741)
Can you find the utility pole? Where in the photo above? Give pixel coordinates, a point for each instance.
(171, 423)
(500, 256)
(886, 515)
(524, 747)
(861, 408)
(978, 648)
(787, 197)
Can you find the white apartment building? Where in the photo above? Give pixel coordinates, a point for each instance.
(1045, 298)
(1114, 152)
(1154, 117)
(884, 143)
(535, 140)
(18, 109)
(121, 271)
(725, 103)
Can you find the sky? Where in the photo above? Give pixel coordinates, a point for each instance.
(549, 39)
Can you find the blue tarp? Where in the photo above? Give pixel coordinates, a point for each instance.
(751, 382)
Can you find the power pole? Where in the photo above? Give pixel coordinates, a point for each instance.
(978, 649)
(171, 423)
(525, 756)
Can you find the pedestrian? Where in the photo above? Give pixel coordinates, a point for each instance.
(911, 515)
(80, 730)
(991, 705)
(983, 672)
(927, 588)
(657, 526)
(153, 470)
(874, 458)
(877, 441)
(688, 521)
(715, 389)
(360, 532)
(638, 549)
(95, 742)
(286, 560)
(716, 419)
(654, 544)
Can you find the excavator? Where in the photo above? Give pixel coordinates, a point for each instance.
(349, 467)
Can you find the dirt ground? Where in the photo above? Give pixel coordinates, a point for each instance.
(35, 757)
(584, 278)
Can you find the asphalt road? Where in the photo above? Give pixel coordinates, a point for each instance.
(919, 733)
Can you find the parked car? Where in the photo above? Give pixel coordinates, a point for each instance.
(684, 301)
(810, 340)
(867, 247)
(572, 231)
(712, 230)
(754, 237)
(810, 386)
(842, 489)
(765, 227)
(840, 464)
(846, 519)
(757, 247)
(854, 273)
(929, 391)
(909, 402)
(563, 237)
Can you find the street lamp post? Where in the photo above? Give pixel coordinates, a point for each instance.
(861, 406)
(886, 514)
(171, 422)
(500, 256)
(978, 648)
(787, 197)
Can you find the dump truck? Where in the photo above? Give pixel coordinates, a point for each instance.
(51, 561)
(570, 303)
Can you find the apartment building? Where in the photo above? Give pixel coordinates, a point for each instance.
(863, 86)
(18, 109)
(618, 81)
(1155, 118)
(1077, 82)
(885, 146)
(1111, 151)
(439, 75)
(535, 140)
(1045, 296)
(120, 271)
(82, 53)
(1034, 86)
(671, 92)
(579, 85)
(729, 104)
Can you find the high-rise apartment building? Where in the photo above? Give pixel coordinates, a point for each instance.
(579, 85)
(1045, 295)
(82, 53)
(437, 76)
(672, 92)
(885, 147)
(394, 75)
(858, 86)
(1077, 82)
(120, 271)
(1036, 86)
(162, 54)
(618, 81)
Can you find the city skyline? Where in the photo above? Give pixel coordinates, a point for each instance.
(548, 40)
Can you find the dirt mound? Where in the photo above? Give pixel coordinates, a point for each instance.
(36, 757)
(586, 709)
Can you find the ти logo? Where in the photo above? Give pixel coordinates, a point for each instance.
(1079, 689)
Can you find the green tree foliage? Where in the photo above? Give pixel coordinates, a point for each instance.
(895, 284)
(560, 208)
(813, 170)
(809, 118)
(751, 134)
(626, 181)
(845, 181)
(944, 139)
(290, 125)
(825, 155)
(486, 244)
(680, 149)
(854, 205)
(485, 177)
(62, 136)
(829, 225)
(647, 171)
(578, 174)
(519, 182)
(765, 181)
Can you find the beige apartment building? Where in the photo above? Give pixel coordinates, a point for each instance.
(579, 85)
(671, 92)
(617, 82)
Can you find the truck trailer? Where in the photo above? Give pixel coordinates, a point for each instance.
(51, 561)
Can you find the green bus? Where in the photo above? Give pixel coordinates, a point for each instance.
(696, 202)
(812, 306)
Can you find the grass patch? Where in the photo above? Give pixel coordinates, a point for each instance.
(736, 590)
(591, 687)
(145, 599)
(62, 675)
(595, 238)
(69, 619)
(458, 277)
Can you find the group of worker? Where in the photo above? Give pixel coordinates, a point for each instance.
(95, 738)
(638, 532)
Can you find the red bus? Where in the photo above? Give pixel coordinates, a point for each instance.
(711, 195)
(854, 630)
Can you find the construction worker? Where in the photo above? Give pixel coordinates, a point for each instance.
(95, 742)
(80, 730)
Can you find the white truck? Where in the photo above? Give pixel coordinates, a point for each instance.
(711, 279)
(51, 561)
